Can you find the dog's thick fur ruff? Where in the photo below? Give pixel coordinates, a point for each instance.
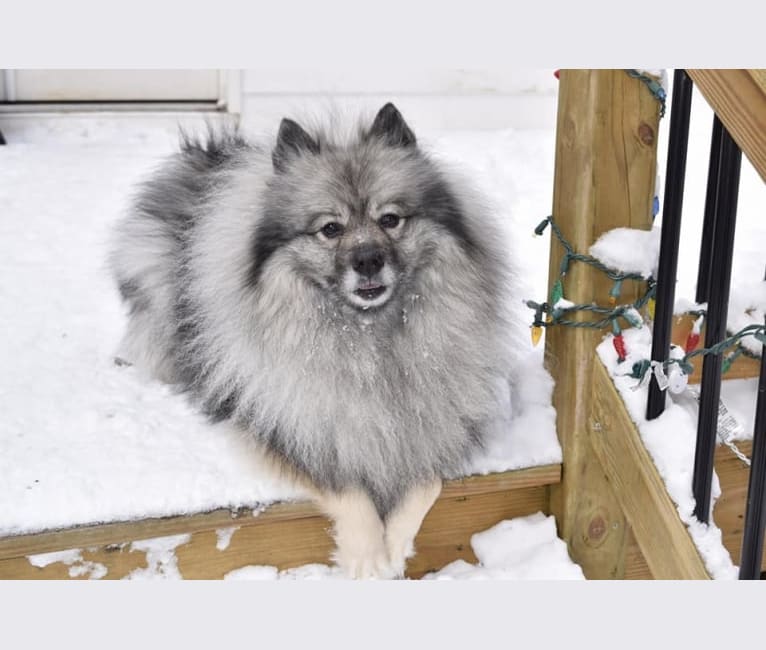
(238, 298)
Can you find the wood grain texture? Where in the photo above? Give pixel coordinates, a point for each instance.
(119, 532)
(759, 76)
(599, 540)
(289, 534)
(662, 537)
(444, 537)
(605, 169)
(739, 98)
(513, 480)
(636, 567)
(729, 510)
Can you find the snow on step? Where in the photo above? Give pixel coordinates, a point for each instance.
(524, 548)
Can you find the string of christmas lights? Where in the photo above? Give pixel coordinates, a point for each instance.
(673, 372)
(654, 86)
(663, 370)
(559, 310)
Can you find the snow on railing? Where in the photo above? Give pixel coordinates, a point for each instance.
(714, 278)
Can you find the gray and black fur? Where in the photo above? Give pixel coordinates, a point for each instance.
(340, 298)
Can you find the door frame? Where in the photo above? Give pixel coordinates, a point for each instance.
(229, 99)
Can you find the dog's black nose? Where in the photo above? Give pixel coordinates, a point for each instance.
(367, 259)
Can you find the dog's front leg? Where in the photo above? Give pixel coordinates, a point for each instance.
(358, 530)
(404, 522)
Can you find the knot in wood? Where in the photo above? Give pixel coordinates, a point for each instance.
(646, 133)
(596, 528)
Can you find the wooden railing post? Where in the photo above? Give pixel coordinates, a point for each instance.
(605, 173)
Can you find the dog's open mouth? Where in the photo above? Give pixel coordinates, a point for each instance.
(369, 293)
(370, 290)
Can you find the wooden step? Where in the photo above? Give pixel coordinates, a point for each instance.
(285, 535)
(729, 511)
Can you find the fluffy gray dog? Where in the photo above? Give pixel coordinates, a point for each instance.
(341, 299)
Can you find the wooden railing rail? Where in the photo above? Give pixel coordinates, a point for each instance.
(739, 99)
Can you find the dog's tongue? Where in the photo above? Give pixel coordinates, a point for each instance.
(366, 285)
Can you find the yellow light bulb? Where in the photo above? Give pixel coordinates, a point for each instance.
(537, 332)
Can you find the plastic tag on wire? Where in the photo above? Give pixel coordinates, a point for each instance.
(728, 427)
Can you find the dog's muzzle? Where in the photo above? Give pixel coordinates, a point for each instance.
(369, 281)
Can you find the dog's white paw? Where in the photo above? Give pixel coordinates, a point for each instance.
(363, 559)
(363, 544)
(399, 551)
(404, 522)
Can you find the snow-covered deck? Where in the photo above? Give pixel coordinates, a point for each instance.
(84, 440)
(93, 455)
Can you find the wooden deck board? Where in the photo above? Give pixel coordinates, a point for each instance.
(729, 511)
(287, 534)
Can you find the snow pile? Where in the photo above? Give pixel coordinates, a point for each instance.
(529, 437)
(629, 250)
(740, 397)
(525, 548)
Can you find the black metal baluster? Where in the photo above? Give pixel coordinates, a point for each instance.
(671, 231)
(708, 226)
(715, 328)
(752, 537)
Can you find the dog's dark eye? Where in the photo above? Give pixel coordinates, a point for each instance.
(332, 229)
(389, 220)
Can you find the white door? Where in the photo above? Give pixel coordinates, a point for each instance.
(46, 86)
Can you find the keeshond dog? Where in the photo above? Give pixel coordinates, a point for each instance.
(340, 298)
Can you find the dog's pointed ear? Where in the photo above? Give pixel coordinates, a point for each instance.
(292, 140)
(389, 125)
